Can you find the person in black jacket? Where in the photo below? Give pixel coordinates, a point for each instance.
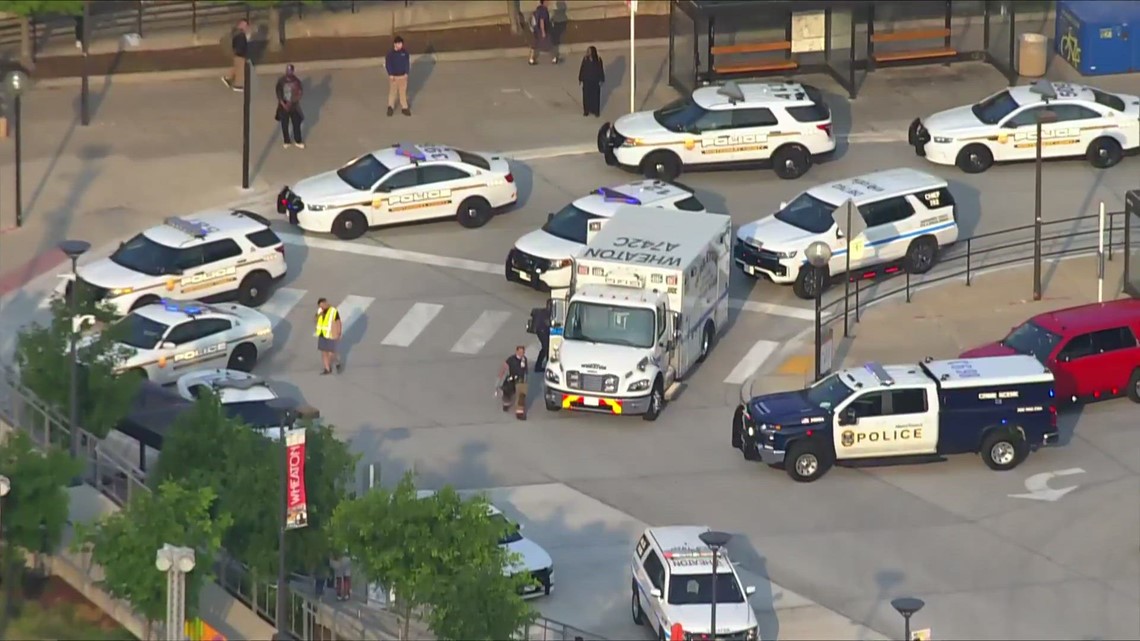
(240, 44)
(289, 91)
(592, 74)
(540, 320)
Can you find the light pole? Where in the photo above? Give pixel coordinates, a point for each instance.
(5, 487)
(907, 606)
(5, 612)
(73, 249)
(632, 55)
(246, 100)
(818, 255)
(85, 84)
(288, 409)
(1043, 88)
(716, 541)
(176, 562)
(16, 83)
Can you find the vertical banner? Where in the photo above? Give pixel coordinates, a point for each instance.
(296, 504)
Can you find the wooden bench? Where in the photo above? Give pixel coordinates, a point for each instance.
(911, 35)
(756, 65)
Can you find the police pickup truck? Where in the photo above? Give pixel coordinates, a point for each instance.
(1000, 407)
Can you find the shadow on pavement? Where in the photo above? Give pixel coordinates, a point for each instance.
(744, 555)
(615, 75)
(841, 121)
(418, 76)
(968, 205)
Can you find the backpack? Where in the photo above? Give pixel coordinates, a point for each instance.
(534, 19)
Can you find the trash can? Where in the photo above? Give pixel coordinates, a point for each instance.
(1033, 53)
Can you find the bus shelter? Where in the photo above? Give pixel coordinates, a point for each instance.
(1132, 243)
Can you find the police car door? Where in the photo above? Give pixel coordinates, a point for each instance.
(394, 198)
(188, 273)
(717, 140)
(446, 186)
(1017, 139)
(888, 221)
(219, 269)
(649, 575)
(196, 343)
(1076, 124)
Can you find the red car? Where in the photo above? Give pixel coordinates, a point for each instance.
(1092, 349)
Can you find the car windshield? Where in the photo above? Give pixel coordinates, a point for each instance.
(610, 324)
(1033, 340)
(510, 529)
(679, 115)
(139, 332)
(993, 109)
(808, 213)
(363, 172)
(689, 589)
(828, 392)
(569, 224)
(143, 255)
(256, 414)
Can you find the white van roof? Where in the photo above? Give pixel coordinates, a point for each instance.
(876, 186)
(1017, 369)
(657, 238)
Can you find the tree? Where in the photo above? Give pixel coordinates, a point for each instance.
(124, 544)
(44, 360)
(29, 9)
(430, 550)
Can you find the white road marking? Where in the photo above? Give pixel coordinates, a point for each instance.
(751, 362)
(480, 332)
(410, 326)
(363, 249)
(281, 302)
(352, 309)
(544, 153)
(772, 308)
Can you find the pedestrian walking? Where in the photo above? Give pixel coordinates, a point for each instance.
(540, 327)
(592, 74)
(345, 578)
(328, 336)
(240, 45)
(338, 578)
(398, 64)
(289, 91)
(79, 31)
(514, 374)
(543, 42)
(320, 580)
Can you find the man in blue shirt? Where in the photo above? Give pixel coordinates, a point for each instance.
(398, 64)
(543, 42)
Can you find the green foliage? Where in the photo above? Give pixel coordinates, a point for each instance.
(125, 544)
(44, 360)
(27, 8)
(431, 551)
(60, 621)
(38, 494)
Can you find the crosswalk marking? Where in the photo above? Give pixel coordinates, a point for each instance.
(480, 332)
(410, 326)
(352, 309)
(751, 362)
(772, 308)
(281, 303)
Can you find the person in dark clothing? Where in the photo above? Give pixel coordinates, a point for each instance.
(540, 321)
(79, 31)
(514, 373)
(289, 90)
(592, 74)
(398, 64)
(240, 44)
(540, 24)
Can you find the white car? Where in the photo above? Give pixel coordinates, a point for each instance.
(216, 255)
(541, 259)
(909, 216)
(1096, 125)
(673, 583)
(785, 125)
(170, 338)
(242, 395)
(401, 184)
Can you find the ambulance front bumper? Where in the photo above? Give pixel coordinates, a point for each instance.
(584, 402)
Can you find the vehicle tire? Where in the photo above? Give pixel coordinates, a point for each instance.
(662, 165)
(243, 358)
(806, 461)
(144, 301)
(921, 255)
(603, 137)
(1134, 387)
(254, 290)
(791, 161)
(635, 607)
(974, 159)
(738, 428)
(1104, 152)
(806, 283)
(708, 340)
(350, 225)
(474, 212)
(1004, 449)
(656, 403)
(551, 406)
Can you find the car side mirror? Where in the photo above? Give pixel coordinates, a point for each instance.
(750, 590)
(1064, 358)
(383, 189)
(520, 526)
(166, 345)
(783, 204)
(669, 345)
(655, 593)
(848, 417)
(550, 217)
(838, 233)
(1010, 125)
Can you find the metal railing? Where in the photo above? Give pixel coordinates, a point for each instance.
(548, 630)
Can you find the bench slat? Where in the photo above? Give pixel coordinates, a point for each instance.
(756, 47)
(895, 56)
(779, 65)
(910, 34)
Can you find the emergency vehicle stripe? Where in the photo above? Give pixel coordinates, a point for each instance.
(480, 332)
(751, 362)
(412, 324)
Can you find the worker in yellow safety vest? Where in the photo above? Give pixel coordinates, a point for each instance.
(328, 336)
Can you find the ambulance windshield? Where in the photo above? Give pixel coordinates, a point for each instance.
(143, 255)
(828, 392)
(610, 324)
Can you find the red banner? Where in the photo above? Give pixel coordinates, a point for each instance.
(296, 505)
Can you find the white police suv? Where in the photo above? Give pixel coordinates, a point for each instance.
(243, 396)
(785, 125)
(541, 259)
(1082, 122)
(401, 184)
(171, 338)
(909, 216)
(673, 583)
(211, 256)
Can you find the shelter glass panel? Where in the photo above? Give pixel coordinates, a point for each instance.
(999, 14)
(682, 52)
(841, 45)
(1132, 260)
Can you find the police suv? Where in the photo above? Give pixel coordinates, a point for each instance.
(243, 396)
(1096, 125)
(673, 579)
(541, 259)
(1000, 407)
(785, 125)
(170, 338)
(401, 184)
(212, 256)
(909, 216)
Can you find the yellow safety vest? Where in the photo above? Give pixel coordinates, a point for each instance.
(325, 323)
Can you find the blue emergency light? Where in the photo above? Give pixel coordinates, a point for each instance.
(410, 152)
(612, 195)
(188, 227)
(185, 308)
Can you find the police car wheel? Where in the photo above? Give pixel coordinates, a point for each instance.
(921, 255)
(254, 289)
(663, 165)
(806, 461)
(656, 403)
(349, 225)
(707, 337)
(807, 283)
(791, 162)
(635, 606)
(603, 138)
(243, 358)
(1004, 450)
(974, 159)
(1104, 153)
(144, 301)
(474, 212)
(738, 427)
(1134, 387)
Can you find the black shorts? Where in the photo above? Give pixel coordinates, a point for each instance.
(326, 344)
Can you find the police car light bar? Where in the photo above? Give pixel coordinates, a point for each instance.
(185, 308)
(688, 553)
(188, 227)
(881, 374)
(612, 195)
(410, 151)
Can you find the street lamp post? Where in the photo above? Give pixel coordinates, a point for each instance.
(176, 562)
(16, 83)
(73, 249)
(1045, 89)
(246, 106)
(716, 541)
(907, 606)
(818, 255)
(5, 487)
(288, 409)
